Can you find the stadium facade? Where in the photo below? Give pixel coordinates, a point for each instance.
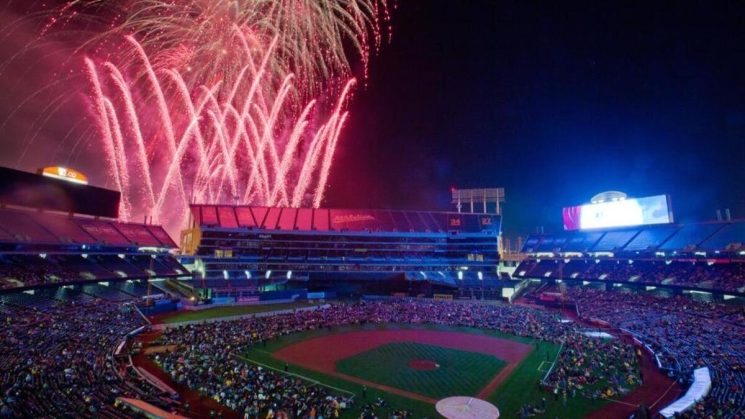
(240, 248)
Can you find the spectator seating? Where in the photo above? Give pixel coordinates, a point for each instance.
(725, 275)
(686, 335)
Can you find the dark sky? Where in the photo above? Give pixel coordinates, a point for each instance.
(553, 101)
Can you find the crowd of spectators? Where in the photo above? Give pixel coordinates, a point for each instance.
(686, 334)
(32, 270)
(22, 271)
(56, 359)
(57, 362)
(202, 358)
(701, 274)
(595, 367)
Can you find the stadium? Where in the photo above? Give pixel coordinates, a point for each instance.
(210, 279)
(362, 312)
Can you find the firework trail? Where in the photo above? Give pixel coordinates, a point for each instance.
(209, 41)
(216, 101)
(219, 140)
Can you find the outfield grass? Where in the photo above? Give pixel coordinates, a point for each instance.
(521, 386)
(229, 311)
(459, 372)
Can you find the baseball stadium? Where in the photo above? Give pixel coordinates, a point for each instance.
(171, 254)
(303, 312)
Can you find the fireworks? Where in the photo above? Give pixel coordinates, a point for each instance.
(210, 41)
(219, 101)
(216, 151)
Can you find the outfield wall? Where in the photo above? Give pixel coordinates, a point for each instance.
(242, 316)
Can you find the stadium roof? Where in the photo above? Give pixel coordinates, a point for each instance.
(324, 219)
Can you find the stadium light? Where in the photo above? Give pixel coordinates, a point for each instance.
(289, 274)
(481, 276)
(268, 274)
(225, 274)
(248, 274)
(460, 275)
(482, 196)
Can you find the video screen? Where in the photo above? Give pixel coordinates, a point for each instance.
(32, 190)
(629, 212)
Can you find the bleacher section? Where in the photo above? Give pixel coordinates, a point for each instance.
(68, 340)
(731, 237)
(614, 240)
(723, 276)
(552, 243)
(65, 229)
(20, 227)
(44, 249)
(651, 238)
(23, 271)
(700, 257)
(579, 242)
(690, 236)
(324, 220)
(17, 226)
(719, 236)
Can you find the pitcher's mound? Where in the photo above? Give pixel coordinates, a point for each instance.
(423, 365)
(460, 407)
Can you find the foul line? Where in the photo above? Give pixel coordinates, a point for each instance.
(251, 349)
(293, 374)
(620, 402)
(541, 366)
(663, 394)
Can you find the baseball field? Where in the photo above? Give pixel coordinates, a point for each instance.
(412, 366)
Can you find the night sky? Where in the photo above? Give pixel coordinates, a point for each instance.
(555, 102)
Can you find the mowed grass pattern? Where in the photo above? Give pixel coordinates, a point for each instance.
(460, 373)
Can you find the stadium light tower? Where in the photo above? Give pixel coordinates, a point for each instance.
(484, 196)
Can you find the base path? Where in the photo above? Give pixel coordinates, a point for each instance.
(321, 354)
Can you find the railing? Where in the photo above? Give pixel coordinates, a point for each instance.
(240, 303)
(553, 364)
